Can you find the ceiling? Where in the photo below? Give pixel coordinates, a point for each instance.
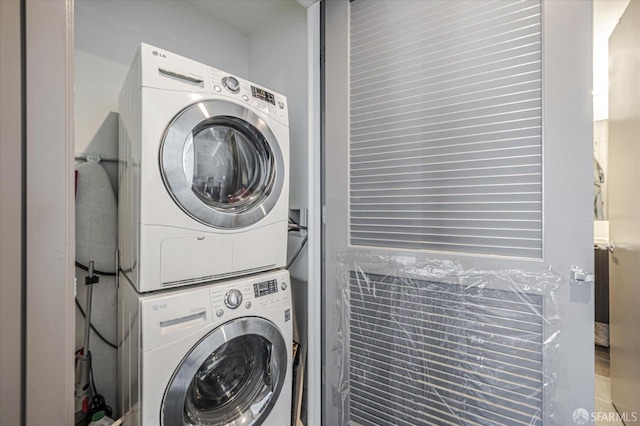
(242, 15)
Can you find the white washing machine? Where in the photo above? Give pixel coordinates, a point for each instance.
(215, 354)
(203, 180)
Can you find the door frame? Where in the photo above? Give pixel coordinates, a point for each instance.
(11, 211)
(50, 213)
(314, 370)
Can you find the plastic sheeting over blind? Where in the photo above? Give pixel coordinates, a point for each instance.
(446, 126)
(429, 343)
(425, 343)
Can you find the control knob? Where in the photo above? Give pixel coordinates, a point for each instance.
(233, 298)
(232, 84)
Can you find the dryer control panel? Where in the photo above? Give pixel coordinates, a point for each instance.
(259, 93)
(265, 100)
(166, 70)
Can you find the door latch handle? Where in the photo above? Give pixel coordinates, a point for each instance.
(578, 275)
(612, 246)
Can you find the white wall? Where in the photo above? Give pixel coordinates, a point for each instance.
(49, 214)
(107, 34)
(278, 60)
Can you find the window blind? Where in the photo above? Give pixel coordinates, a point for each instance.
(446, 126)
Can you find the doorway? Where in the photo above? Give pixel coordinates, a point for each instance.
(607, 17)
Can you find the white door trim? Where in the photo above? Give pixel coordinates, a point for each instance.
(50, 212)
(314, 262)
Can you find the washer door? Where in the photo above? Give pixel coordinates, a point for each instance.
(222, 164)
(232, 377)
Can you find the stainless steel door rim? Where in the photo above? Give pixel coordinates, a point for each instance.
(255, 133)
(246, 404)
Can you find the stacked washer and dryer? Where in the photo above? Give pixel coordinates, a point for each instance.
(204, 311)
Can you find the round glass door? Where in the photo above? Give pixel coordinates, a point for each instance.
(231, 377)
(222, 164)
(229, 164)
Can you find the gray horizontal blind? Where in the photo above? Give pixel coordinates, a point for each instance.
(427, 353)
(446, 126)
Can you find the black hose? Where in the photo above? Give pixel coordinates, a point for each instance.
(95, 271)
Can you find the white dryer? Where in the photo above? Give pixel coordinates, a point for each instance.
(203, 180)
(216, 354)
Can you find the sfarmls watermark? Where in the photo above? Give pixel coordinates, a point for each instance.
(582, 416)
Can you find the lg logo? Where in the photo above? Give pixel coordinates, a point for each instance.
(156, 53)
(159, 306)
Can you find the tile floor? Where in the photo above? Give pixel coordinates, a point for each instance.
(603, 389)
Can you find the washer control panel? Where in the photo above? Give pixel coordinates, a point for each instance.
(265, 288)
(243, 296)
(233, 298)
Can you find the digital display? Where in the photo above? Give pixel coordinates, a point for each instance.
(263, 95)
(265, 288)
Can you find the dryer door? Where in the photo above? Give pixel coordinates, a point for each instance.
(232, 377)
(222, 164)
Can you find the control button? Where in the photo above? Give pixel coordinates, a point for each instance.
(247, 305)
(283, 286)
(245, 97)
(217, 88)
(232, 84)
(219, 313)
(281, 104)
(233, 298)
